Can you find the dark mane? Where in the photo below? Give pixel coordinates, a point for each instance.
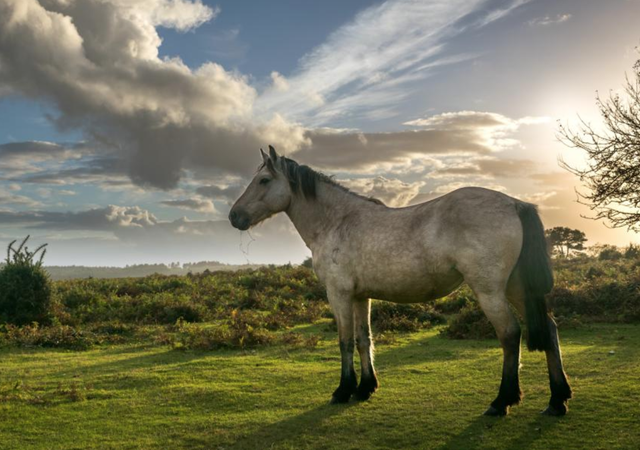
(304, 179)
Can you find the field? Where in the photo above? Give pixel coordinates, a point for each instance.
(249, 360)
(433, 391)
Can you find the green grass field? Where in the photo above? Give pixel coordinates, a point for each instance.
(433, 391)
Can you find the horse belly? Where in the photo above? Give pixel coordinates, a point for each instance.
(419, 287)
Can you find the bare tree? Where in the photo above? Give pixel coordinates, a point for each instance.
(612, 174)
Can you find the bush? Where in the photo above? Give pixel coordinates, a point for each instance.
(236, 333)
(470, 323)
(60, 336)
(387, 316)
(25, 288)
(609, 253)
(632, 252)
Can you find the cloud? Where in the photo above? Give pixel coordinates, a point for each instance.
(9, 197)
(365, 66)
(17, 158)
(222, 193)
(193, 204)
(392, 192)
(99, 219)
(97, 62)
(447, 134)
(280, 83)
(490, 167)
(139, 236)
(549, 20)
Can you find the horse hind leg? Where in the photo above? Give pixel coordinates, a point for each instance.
(560, 388)
(558, 382)
(497, 310)
(364, 342)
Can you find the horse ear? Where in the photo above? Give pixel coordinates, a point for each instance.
(273, 154)
(265, 158)
(271, 167)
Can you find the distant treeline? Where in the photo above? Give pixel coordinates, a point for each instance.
(141, 270)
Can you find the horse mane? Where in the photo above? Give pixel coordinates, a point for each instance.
(303, 179)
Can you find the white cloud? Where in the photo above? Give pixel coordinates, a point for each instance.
(279, 82)
(392, 192)
(549, 20)
(193, 204)
(363, 68)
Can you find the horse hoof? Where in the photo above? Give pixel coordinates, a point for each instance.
(555, 412)
(492, 411)
(340, 397)
(366, 389)
(362, 395)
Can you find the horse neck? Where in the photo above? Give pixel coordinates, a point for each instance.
(313, 218)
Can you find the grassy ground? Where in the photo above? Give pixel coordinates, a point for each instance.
(433, 391)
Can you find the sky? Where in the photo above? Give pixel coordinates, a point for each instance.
(129, 127)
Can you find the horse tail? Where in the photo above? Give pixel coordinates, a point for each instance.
(534, 266)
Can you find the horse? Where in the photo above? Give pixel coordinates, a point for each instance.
(362, 249)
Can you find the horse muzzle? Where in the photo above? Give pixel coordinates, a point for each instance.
(239, 219)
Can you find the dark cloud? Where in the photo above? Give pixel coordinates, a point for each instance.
(99, 219)
(98, 63)
(463, 132)
(359, 151)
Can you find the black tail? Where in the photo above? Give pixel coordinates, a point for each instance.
(536, 276)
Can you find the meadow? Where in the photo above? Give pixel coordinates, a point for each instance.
(249, 359)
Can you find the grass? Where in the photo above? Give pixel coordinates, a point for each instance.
(145, 396)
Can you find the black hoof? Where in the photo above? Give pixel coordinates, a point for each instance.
(342, 395)
(555, 411)
(496, 412)
(366, 388)
(363, 393)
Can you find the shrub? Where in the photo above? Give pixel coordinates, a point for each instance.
(59, 336)
(236, 333)
(632, 252)
(470, 323)
(609, 253)
(387, 316)
(25, 288)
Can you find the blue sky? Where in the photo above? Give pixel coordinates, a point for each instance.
(128, 128)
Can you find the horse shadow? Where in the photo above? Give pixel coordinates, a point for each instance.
(312, 425)
(484, 430)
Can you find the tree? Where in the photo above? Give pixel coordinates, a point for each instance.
(612, 173)
(308, 262)
(563, 240)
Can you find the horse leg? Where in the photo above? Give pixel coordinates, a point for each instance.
(364, 342)
(342, 306)
(507, 328)
(560, 389)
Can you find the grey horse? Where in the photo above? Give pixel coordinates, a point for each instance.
(363, 249)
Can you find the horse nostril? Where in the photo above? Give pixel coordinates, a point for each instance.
(233, 216)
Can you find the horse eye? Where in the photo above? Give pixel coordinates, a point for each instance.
(265, 180)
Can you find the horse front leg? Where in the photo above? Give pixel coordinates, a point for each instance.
(342, 306)
(364, 342)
